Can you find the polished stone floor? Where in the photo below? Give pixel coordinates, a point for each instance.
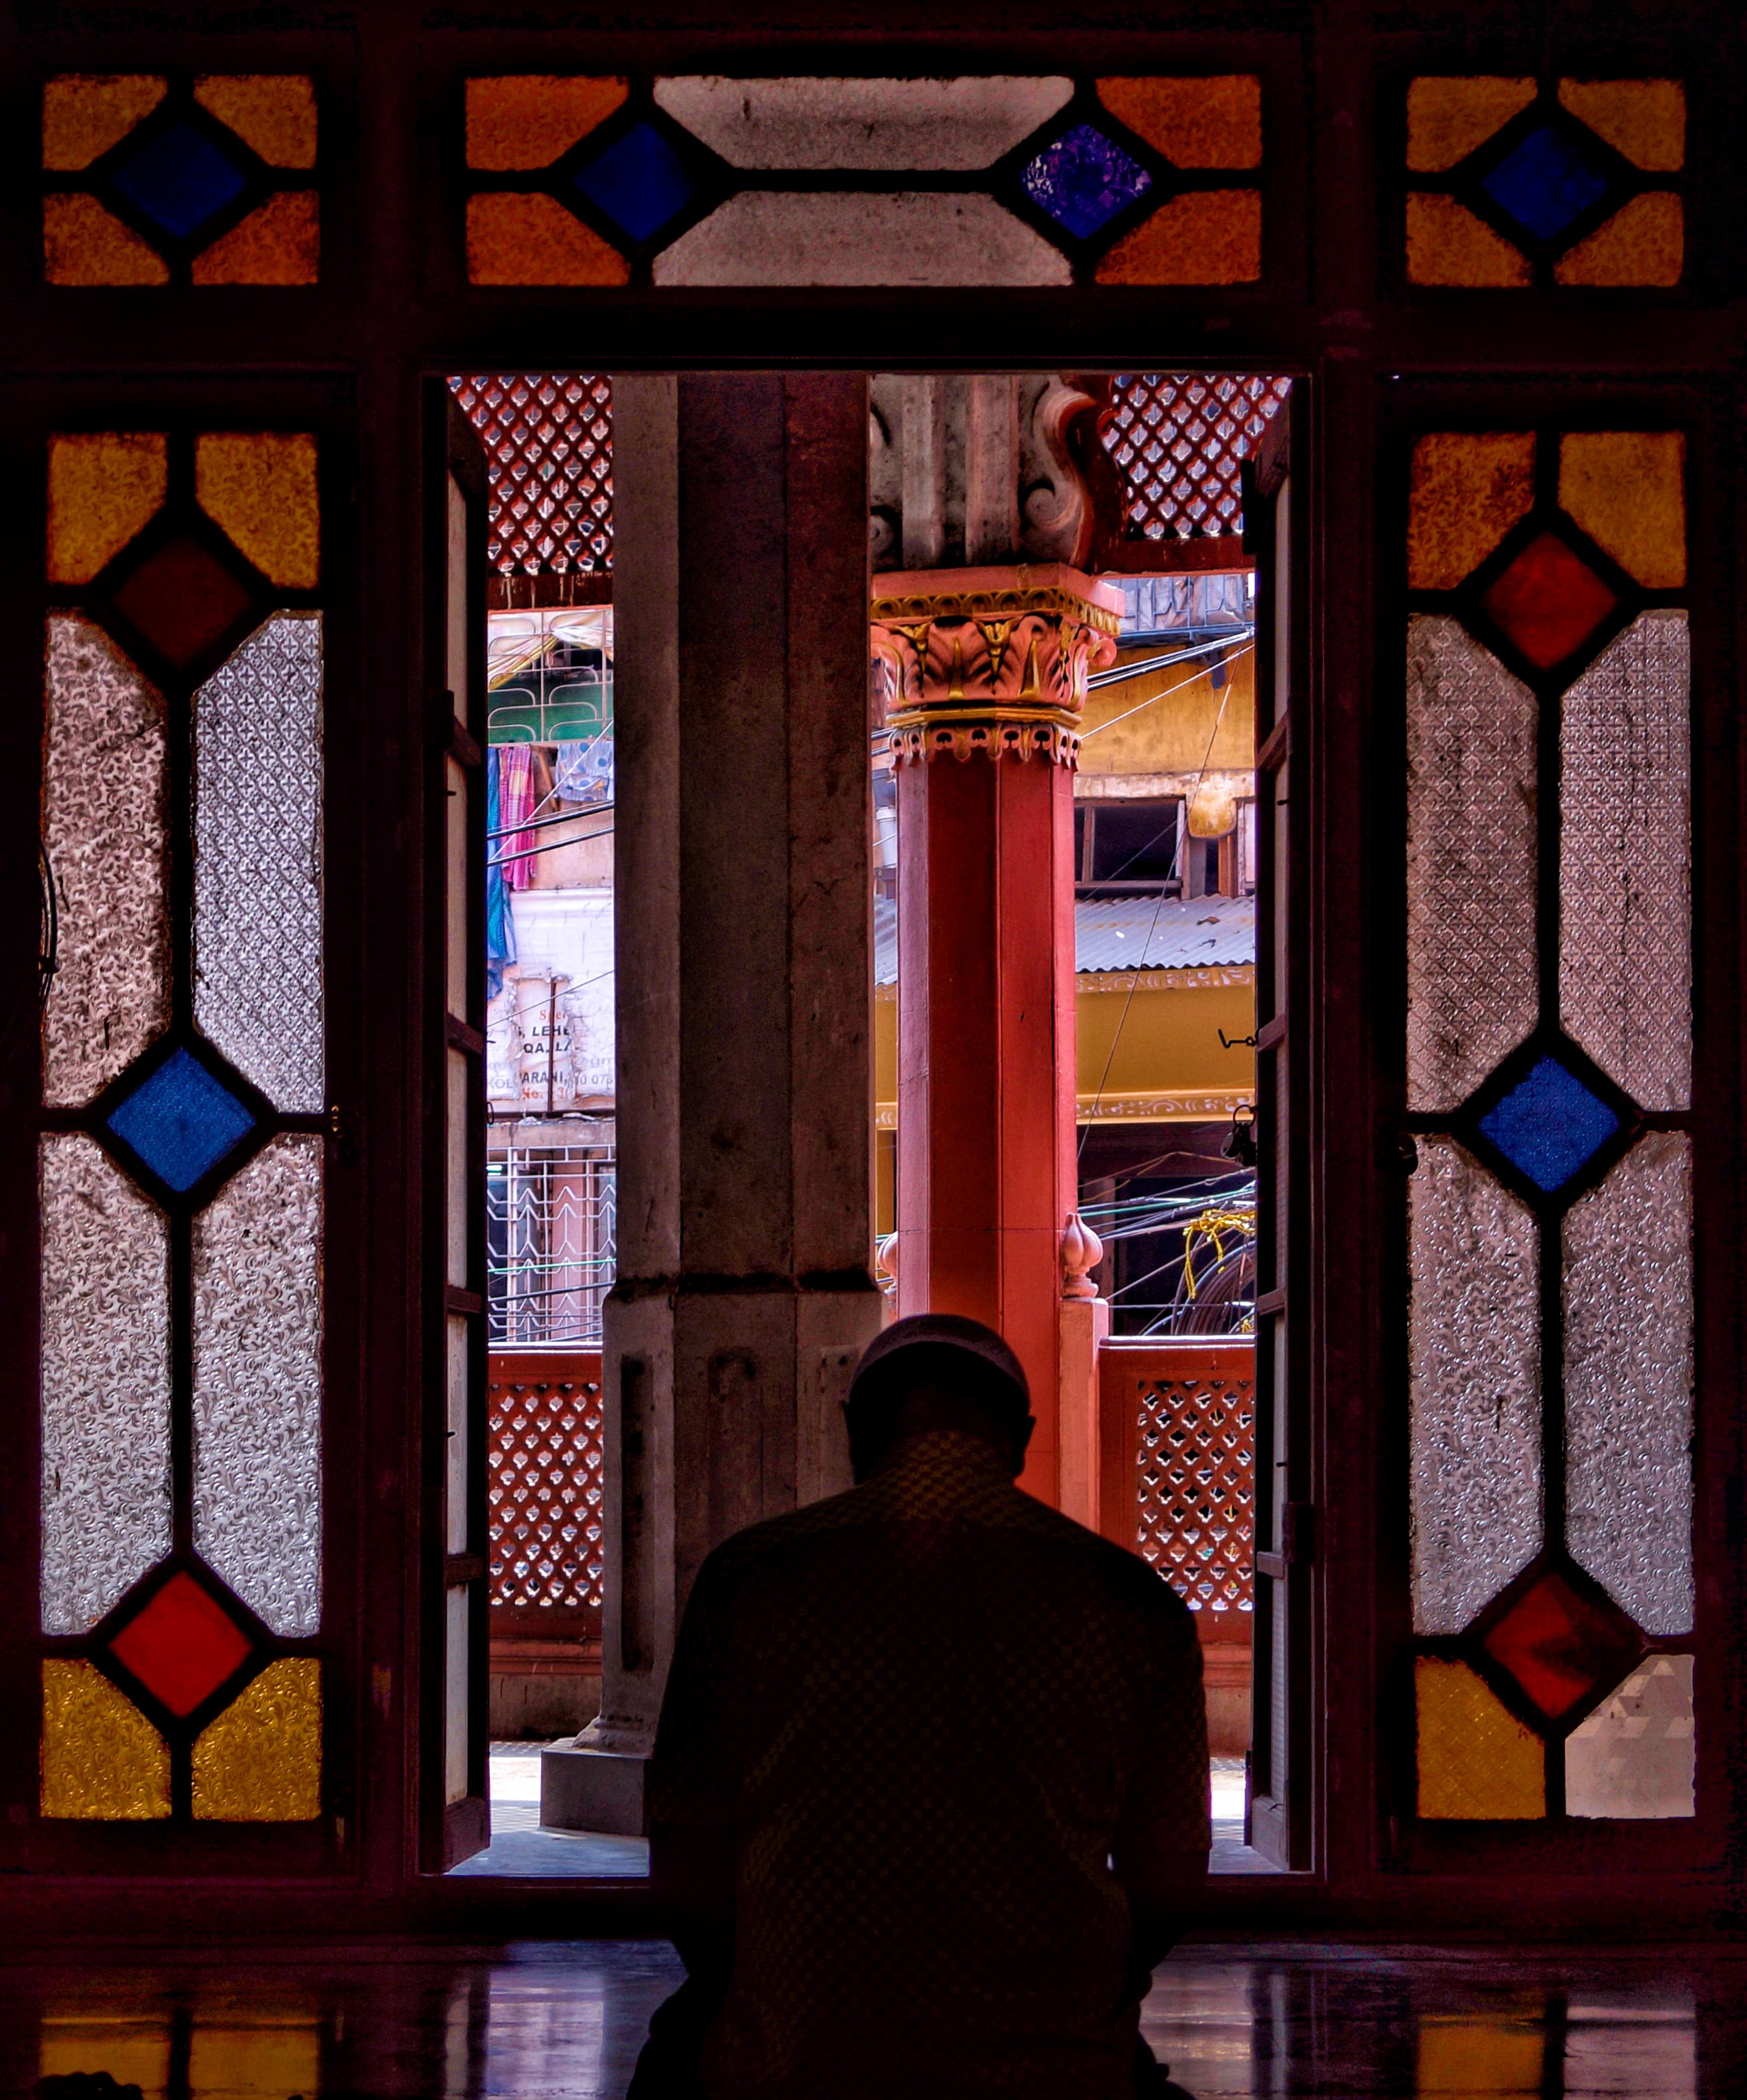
(564, 2020)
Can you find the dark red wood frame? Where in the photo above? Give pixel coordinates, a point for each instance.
(353, 358)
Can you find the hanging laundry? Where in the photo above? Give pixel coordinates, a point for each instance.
(583, 770)
(500, 924)
(518, 791)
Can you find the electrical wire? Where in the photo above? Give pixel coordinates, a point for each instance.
(1181, 686)
(1118, 674)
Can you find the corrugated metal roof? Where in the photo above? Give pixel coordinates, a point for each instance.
(1125, 933)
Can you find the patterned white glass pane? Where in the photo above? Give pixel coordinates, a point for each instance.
(103, 823)
(1474, 1390)
(1632, 1756)
(257, 1272)
(1628, 1299)
(258, 838)
(105, 1457)
(1625, 958)
(1470, 864)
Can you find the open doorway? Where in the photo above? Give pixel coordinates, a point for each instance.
(1167, 858)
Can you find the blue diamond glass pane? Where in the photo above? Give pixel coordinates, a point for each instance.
(1549, 1125)
(1545, 183)
(181, 1121)
(179, 180)
(1083, 180)
(640, 182)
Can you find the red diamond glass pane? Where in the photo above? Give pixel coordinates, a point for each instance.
(1547, 601)
(183, 600)
(183, 1646)
(1562, 1647)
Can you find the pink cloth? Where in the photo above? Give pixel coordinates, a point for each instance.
(516, 797)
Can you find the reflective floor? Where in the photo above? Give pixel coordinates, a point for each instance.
(567, 2019)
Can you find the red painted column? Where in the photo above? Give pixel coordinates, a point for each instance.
(986, 672)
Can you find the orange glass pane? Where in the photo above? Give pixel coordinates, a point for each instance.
(102, 1758)
(1447, 117)
(1548, 602)
(82, 244)
(1627, 489)
(279, 243)
(1644, 243)
(527, 120)
(104, 487)
(275, 113)
(1467, 491)
(1478, 1762)
(1202, 237)
(260, 488)
(1210, 123)
(261, 1761)
(1645, 120)
(517, 239)
(1447, 245)
(84, 114)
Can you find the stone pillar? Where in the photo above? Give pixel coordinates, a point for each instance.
(985, 677)
(744, 930)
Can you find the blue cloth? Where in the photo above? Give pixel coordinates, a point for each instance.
(583, 771)
(500, 923)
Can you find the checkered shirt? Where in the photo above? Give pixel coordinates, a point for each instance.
(926, 1709)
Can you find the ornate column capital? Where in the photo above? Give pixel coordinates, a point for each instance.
(990, 659)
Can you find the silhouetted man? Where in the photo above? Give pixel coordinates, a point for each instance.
(930, 1792)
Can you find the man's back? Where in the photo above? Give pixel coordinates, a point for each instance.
(926, 1710)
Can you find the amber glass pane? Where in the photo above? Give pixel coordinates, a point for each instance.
(102, 1759)
(261, 1761)
(260, 487)
(1477, 1762)
(1627, 490)
(1213, 121)
(104, 485)
(1467, 489)
(279, 243)
(274, 113)
(1204, 237)
(527, 120)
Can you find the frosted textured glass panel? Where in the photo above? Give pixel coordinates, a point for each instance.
(1634, 1755)
(1470, 864)
(861, 237)
(1628, 1298)
(103, 823)
(257, 1273)
(1625, 961)
(802, 122)
(258, 835)
(1474, 1390)
(106, 1505)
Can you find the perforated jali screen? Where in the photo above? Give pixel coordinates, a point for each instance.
(1191, 1414)
(549, 454)
(543, 1475)
(1180, 440)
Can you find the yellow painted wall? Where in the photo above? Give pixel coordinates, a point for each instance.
(1177, 734)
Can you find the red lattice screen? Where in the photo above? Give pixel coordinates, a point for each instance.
(1187, 1415)
(548, 441)
(1179, 439)
(545, 1485)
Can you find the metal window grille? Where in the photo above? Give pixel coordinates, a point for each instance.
(1179, 439)
(548, 441)
(550, 1235)
(1195, 1480)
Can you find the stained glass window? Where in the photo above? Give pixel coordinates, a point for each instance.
(182, 1159)
(976, 180)
(1514, 181)
(1551, 1369)
(207, 179)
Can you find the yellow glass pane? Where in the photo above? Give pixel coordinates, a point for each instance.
(104, 487)
(82, 244)
(1480, 2056)
(1448, 117)
(261, 1761)
(1202, 237)
(1644, 243)
(279, 243)
(1627, 490)
(1478, 1762)
(1447, 245)
(259, 486)
(1466, 491)
(275, 113)
(527, 120)
(119, 2026)
(1645, 120)
(515, 239)
(102, 1758)
(1212, 123)
(84, 114)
